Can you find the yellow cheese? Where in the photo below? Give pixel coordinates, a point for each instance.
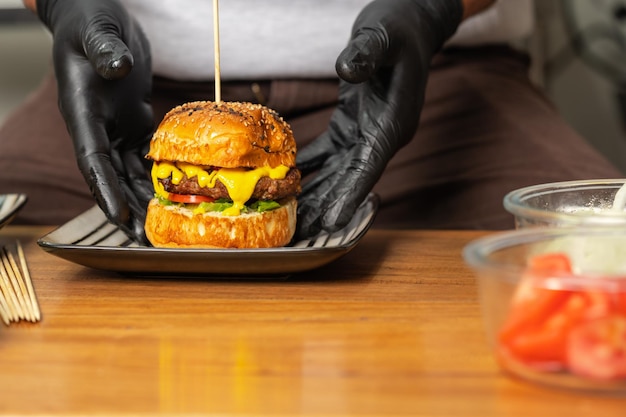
(239, 182)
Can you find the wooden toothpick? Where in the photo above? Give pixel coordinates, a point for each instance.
(17, 295)
(29, 283)
(216, 50)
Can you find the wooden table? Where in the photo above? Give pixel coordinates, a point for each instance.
(392, 328)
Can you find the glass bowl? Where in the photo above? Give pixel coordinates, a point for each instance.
(569, 203)
(553, 302)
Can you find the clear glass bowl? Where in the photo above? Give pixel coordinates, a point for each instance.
(568, 203)
(553, 302)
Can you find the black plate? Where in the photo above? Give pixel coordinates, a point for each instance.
(92, 241)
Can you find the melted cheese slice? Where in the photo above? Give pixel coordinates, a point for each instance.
(239, 182)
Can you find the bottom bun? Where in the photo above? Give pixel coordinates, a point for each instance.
(177, 227)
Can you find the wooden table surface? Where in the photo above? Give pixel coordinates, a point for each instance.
(392, 328)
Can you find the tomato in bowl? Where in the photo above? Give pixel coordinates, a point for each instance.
(554, 304)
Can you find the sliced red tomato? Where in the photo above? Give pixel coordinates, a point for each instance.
(547, 328)
(536, 327)
(544, 344)
(549, 263)
(189, 198)
(533, 302)
(621, 301)
(532, 308)
(597, 348)
(537, 348)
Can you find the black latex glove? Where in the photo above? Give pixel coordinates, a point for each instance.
(383, 73)
(103, 69)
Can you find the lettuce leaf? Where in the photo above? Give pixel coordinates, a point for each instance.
(222, 204)
(264, 205)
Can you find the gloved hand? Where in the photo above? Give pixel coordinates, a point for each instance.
(383, 73)
(103, 69)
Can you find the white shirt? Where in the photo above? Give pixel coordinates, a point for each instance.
(261, 39)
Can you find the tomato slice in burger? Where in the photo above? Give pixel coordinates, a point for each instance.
(189, 198)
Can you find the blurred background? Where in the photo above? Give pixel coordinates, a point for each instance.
(578, 49)
(24, 54)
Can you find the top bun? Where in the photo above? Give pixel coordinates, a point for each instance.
(224, 134)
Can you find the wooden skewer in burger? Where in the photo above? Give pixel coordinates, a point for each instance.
(224, 176)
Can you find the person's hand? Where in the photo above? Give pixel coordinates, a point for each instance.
(383, 73)
(103, 69)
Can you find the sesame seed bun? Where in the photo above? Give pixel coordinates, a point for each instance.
(225, 134)
(178, 227)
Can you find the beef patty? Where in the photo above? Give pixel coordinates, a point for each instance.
(266, 188)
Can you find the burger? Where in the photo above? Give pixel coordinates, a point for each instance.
(224, 176)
